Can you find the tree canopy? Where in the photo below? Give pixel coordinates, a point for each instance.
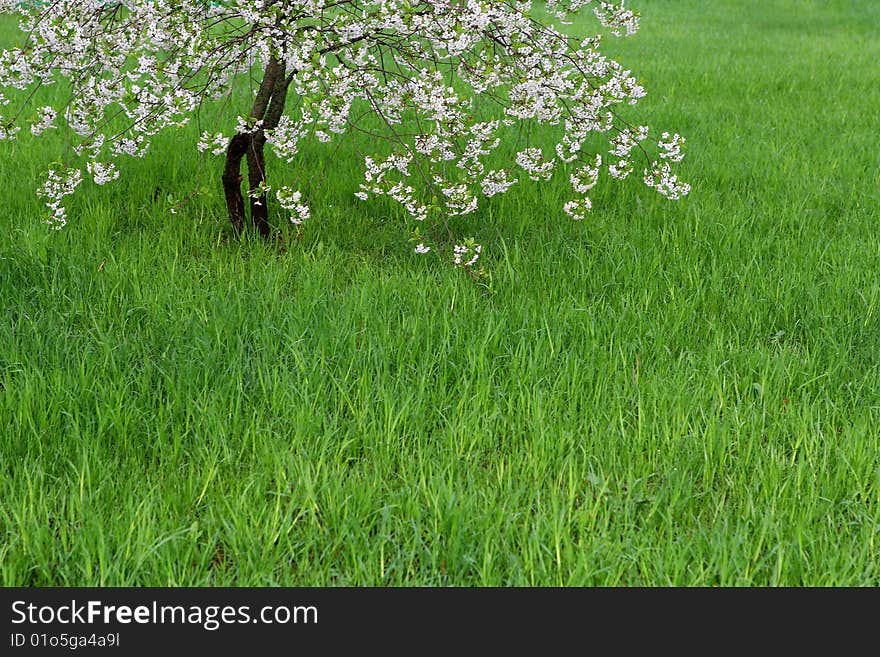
(451, 93)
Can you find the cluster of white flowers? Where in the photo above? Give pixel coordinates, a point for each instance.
(670, 147)
(661, 178)
(46, 120)
(497, 182)
(620, 169)
(216, 143)
(290, 200)
(466, 255)
(625, 140)
(585, 177)
(618, 18)
(285, 138)
(59, 184)
(103, 172)
(436, 86)
(578, 208)
(532, 161)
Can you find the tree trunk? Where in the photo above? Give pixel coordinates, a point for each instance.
(255, 154)
(256, 162)
(272, 88)
(238, 146)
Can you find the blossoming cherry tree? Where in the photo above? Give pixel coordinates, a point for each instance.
(451, 93)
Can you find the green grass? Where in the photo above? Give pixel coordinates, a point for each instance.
(669, 393)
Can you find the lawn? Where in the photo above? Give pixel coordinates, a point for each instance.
(677, 393)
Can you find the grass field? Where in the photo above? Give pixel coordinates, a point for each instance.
(667, 394)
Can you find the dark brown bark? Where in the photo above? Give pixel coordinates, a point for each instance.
(238, 146)
(256, 158)
(252, 146)
(276, 104)
(256, 162)
(255, 155)
(273, 73)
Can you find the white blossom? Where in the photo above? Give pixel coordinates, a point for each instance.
(670, 147)
(46, 120)
(102, 172)
(289, 199)
(578, 208)
(466, 255)
(661, 178)
(586, 176)
(59, 183)
(533, 162)
(216, 143)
